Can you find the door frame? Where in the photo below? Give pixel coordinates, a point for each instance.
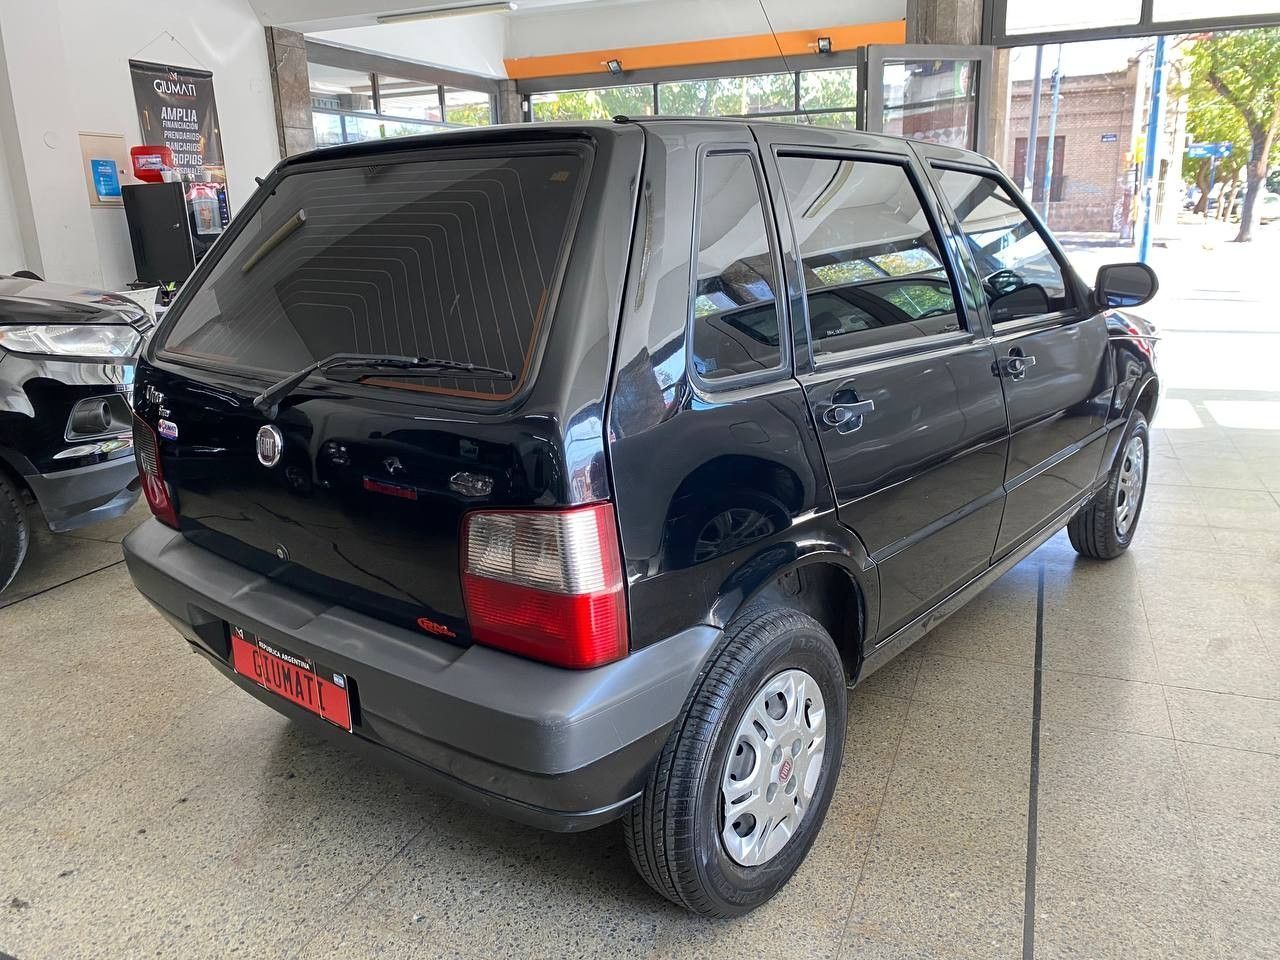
(871, 79)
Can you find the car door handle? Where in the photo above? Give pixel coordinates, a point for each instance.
(1015, 365)
(846, 417)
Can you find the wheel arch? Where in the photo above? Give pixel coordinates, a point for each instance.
(834, 582)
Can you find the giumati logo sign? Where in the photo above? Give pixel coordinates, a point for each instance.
(174, 87)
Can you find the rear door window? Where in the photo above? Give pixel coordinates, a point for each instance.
(451, 259)
(735, 303)
(873, 273)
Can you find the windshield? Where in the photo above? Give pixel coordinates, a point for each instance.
(453, 259)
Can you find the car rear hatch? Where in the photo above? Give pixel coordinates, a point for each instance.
(492, 249)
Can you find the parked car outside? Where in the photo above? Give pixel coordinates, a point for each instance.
(67, 359)
(1269, 207)
(583, 469)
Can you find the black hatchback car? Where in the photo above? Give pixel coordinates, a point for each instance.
(66, 377)
(583, 468)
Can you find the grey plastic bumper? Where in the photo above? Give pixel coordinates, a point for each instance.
(560, 749)
(73, 498)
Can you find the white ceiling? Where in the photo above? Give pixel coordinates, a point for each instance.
(310, 16)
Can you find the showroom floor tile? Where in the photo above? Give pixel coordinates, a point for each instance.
(186, 819)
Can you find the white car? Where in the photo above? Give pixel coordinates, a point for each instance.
(1269, 205)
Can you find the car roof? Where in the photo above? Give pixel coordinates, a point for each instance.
(798, 133)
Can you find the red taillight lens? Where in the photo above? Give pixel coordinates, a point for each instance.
(546, 584)
(146, 450)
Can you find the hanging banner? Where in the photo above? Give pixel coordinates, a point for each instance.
(176, 109)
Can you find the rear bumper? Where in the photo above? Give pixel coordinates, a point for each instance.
(73, 498)
(559, 749)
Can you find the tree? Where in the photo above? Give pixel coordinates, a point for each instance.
(1243, 70)
(1210, 119)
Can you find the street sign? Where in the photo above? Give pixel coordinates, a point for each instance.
(1202, 151)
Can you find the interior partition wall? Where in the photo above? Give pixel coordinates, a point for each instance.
(820, 89)
(357, 95)
(929, 92)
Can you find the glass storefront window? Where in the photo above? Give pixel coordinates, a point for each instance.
(409, 98)
(601, 103)
(333, 88)
(728, 96)
(1191, 9)
(327, 127)
(1036, 16)
(344, 109)
(934, 100)
(828, 89)
(467, 108)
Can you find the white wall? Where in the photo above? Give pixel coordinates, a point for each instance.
(88, 53)
(597, 26)
(474, 44)
(223, 36)
(11, 253)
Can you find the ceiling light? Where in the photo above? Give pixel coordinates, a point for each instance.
(824, 44)
(615, 66)
(440, 13)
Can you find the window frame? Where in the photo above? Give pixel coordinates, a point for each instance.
(154, 349)
(1075, 289)
(907, 346)
(783, 368)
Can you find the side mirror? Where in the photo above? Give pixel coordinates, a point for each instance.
(1125, 285)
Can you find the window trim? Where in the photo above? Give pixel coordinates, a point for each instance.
(822, 362)
(1071, 282)
(782, 369)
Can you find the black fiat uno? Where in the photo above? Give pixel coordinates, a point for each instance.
(585, 469)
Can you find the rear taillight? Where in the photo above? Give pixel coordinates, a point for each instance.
(146, 449)
(546, 584)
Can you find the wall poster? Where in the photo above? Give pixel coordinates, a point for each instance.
(177, 109)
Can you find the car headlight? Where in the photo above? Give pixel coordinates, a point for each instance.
(72, 340)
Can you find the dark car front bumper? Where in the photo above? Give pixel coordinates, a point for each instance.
(82, 495)
(559, 749)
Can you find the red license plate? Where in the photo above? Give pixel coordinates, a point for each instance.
(292, 677)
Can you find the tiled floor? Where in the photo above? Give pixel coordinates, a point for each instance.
(184, 819)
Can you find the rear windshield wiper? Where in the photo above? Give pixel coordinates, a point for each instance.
(268, 402)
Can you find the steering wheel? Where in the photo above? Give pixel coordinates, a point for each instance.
(1002, 282)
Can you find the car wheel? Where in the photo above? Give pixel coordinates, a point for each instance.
(1104, 527)
(742, 785)
(13, 530)
(727, 521)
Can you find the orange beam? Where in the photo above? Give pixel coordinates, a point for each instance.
(717, 50)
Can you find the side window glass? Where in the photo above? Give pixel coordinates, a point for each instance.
(872, 269)
(735, 304)
(1020, 276)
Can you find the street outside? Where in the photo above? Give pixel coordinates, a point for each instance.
(1219, 356)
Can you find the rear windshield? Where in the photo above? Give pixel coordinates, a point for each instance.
(451, 259)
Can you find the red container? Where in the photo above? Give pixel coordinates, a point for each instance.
(149, 163)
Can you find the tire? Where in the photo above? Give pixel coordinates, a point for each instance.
(1104, 527)
(14, 532)
(674, 832)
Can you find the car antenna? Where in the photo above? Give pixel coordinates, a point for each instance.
(786, 63)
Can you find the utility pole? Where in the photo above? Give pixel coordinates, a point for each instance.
(1054, 97)
(1029, 165)
(1149, 161)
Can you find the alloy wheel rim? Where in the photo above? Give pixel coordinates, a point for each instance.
(729, 530)
(1129, 488)
(775, 763)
